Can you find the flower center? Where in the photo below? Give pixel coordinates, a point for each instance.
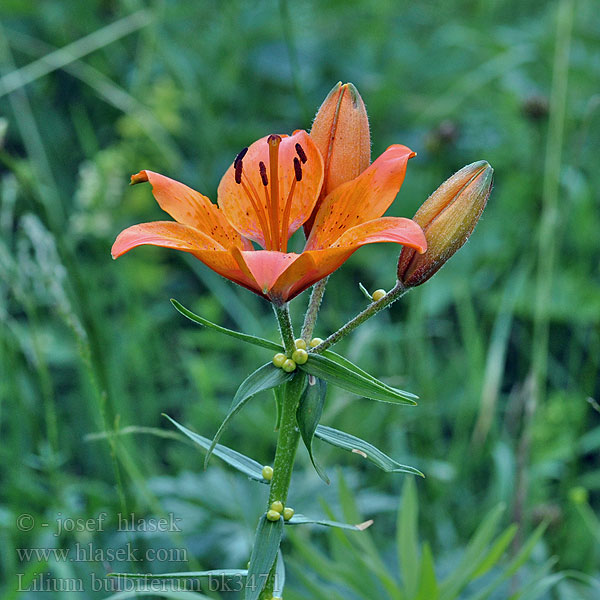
(275, 233)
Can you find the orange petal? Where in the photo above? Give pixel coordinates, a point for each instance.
(363, 199)
(306, 270)
(238, 208)
(385, 229)
(181, 237)
(341, 132)
(264, 266)
(313, 265)
(167, 234)
(191, 208)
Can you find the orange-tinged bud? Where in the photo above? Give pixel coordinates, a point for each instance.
(448, 218)
(341, 133)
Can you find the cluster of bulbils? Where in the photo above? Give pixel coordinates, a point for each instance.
(276, 509)
(299, 356)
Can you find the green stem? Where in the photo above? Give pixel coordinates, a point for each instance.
(285, 327)
(396, 292)
(310, 319)
(287, 444)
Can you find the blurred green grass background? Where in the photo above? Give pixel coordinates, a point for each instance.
(503, 345)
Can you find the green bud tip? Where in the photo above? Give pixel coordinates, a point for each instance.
(267, 472)
(300, 356)
(378, 295)
(279, 359)
(273, 515)
(288, 366)
(277, 506)
(300, 344)
(315, 342)
(288, 513)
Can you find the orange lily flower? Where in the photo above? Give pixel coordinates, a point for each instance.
(268, 193)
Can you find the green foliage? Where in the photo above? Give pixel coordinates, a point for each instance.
(351, 378)
(265, 378)
(308, 416)
(249, 339)
(302, 520)
(362, 448)
(417, 577)
(239, 461)
(264, 554)
(89, 346)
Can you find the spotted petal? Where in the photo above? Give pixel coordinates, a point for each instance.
(363, 199)
(250, 217)
(314, 265)
(189, 207)
(168, 234)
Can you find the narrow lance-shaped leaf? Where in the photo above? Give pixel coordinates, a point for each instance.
(279, 583)
(264, 552)
(264, 378)
(349, 442)
(250, 339)
(183, 574)
(342, 360)
(308, 416)
(352, 381)
(302, 520)
(239, 461)
(278, 395)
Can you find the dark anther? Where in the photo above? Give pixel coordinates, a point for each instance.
(238, 165)
(301, 154)
(263, 173)
(297, 169)
(240, 155)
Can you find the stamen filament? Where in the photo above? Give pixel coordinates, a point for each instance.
(274, 141)
(258, 209)
(288, 205)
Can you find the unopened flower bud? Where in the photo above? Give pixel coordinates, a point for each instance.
(267, 472)
(300, 356)
(300, 344)
(288, 513)
(315, 342)
(341, 133)
(378, 295)
(273, 515)
(276, 506)
(289, 365)
(448, 218)
(279, 359)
